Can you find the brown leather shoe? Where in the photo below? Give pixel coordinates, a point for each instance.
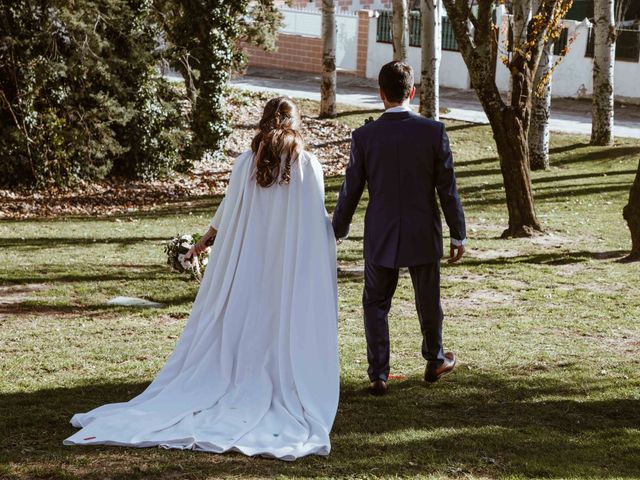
(433, 374)
(378, 387)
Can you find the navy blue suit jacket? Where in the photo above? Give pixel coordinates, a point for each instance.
(404, 159)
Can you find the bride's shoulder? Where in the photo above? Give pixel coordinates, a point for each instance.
(242, 160)
(309, 158)
(244, 157)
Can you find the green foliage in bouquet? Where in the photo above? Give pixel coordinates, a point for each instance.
(175, 250)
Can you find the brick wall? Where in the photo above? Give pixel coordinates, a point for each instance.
(344, 4)
(295, 52)
(304, 54)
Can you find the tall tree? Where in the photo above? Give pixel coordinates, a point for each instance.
(604, 48)
(540, 112)
(329, 38)
(400, 30)
(205, 44)
(632, 216)
(477, 36)
(79, 97)
(430, 40)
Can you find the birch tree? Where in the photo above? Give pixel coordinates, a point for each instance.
(329, 37)
(540, 112)
(477, 36)
(400, 29)
(430, 40)
(604, 48)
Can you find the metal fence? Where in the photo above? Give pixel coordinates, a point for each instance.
(383, 30)
(627, 45)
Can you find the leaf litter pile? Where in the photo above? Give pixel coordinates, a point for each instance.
(327, 139)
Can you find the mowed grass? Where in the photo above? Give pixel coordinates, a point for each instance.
(547, 331)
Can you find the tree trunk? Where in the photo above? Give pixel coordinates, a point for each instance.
(328, 83)
(540, 112)
(400, 30)
(510, 135)
(521, 15)
(603, 62)
(509, 121)
(431, 18)
(631, 214)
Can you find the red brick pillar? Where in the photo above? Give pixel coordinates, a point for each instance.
(363, 41)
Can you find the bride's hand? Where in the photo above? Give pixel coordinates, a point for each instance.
(196, 249)
(201, 245)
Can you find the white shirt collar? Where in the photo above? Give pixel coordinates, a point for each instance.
(399, 108)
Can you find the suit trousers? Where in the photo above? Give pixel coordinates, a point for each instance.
(379, 286)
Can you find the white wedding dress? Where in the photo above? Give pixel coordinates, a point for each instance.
(256, 367)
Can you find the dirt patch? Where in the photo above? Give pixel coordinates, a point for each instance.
(600, 287)
(478, 300)
(469, 277)
(569, 269)
(551, 240)
(14, 294)
(518, 284)
(493, 254)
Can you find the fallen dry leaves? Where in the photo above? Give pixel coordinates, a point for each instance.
(327, 139)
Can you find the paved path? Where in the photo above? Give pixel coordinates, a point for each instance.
(567, 115)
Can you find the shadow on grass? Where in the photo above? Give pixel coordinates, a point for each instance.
(373, 111)
(461, 126)
(60, 274)
(606, 154)
(479, 424)
(57, 242)
(580, 176)
(560, 258)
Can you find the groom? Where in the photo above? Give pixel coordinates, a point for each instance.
(404, 159)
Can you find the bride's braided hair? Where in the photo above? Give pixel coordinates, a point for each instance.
(278, 135)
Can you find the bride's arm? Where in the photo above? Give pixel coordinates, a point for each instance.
(202, 244)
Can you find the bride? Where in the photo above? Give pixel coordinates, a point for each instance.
(256, 367)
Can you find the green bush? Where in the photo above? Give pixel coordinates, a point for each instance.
(79, 98)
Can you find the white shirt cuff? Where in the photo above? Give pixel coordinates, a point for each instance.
(457, 243)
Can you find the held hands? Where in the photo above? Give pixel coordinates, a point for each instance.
(455, 253)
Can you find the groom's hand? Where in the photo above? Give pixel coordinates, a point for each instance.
(455, 253)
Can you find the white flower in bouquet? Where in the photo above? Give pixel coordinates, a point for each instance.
(176, 250)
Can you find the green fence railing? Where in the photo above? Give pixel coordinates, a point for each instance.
(383, 30)
(627, 45)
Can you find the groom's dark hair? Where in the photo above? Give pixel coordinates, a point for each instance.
(395, 80)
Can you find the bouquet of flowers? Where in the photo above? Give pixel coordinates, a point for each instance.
(176, 249)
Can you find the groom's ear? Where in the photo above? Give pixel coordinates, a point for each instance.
(383, 97)
(412, 93)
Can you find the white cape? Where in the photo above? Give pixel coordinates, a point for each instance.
(256, 367)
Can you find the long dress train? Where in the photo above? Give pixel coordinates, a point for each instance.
(256, 367)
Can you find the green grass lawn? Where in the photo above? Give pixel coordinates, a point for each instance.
(547, 331)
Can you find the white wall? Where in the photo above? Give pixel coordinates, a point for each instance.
(573, 77)
(308, 22)
(453, 71)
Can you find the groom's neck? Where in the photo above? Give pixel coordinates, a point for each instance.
(388, 105)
